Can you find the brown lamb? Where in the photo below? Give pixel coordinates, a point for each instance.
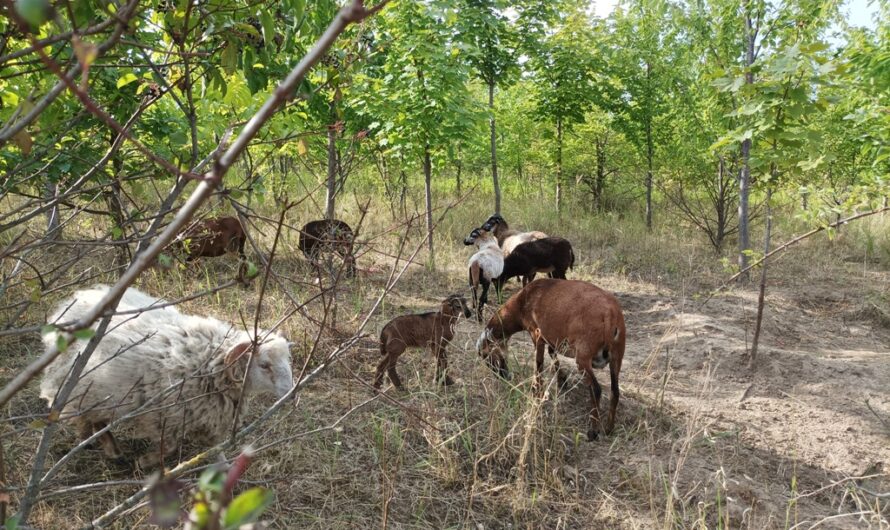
(328, 235)
(569, 316)
(434, 330)
(211, 238)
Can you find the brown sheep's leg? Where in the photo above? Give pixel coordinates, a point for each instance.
(595, 392)
(554, 365)
(388, 363)
(441, 365)
(539, 364)
(613, 403)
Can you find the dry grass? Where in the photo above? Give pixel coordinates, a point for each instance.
(488, 454)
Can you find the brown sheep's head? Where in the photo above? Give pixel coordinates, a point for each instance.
(494, 351)
(456, 304)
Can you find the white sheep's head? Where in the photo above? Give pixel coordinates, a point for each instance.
(270, 371)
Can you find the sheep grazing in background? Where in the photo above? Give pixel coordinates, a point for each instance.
(509, 239)
(328, 235)
(553, 255)
(211, 238)
(484, 266)
(434, 330)
(143, 354)
(572, 316)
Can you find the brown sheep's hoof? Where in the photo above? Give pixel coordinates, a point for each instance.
(592, 435)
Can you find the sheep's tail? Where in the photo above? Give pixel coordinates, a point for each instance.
(571, 258)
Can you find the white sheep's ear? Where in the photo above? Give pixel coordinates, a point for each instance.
(236, 361)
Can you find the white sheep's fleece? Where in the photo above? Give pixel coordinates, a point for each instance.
(144, 353)
(515, 240)
(489, 257)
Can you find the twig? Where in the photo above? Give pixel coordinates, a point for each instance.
(784, 246)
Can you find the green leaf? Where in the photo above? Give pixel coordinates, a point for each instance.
(85, 334)
(12, 523)
(35, 12)
(61, 342)
(247, 507)
(268, 27)
(252, 270)
(126, 80)
(229, 59)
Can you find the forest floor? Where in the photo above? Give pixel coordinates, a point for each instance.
(798, 440)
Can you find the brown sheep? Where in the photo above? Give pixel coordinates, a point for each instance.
(434, 329)
(564, 315)
(331, 235)
(211, 238)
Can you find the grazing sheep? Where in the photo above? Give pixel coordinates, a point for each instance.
(575, 316)
(485, 265)
(211, 238)
(144, 353)
(427, 329)
(328, 235)
(552, 255)
(509, 239)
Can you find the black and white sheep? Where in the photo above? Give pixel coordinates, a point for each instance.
(509, 238)
(198, 365)
(484, 266)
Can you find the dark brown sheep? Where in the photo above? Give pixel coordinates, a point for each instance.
(569, 316)
(553, 255)
(211, 238)
(434, 330)
(328, 235)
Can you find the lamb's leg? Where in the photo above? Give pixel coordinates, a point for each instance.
(441, 364)
(388, 363)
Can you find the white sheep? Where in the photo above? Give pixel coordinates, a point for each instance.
(484, 266)
(192, 367)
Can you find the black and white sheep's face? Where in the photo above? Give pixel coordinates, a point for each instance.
(270, 371)
(492, 222)
(477, 233)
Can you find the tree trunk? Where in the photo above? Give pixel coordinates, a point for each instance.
(558, 166)
(600, 181)
(745, 173)
(53, 223)
(330, 198)
(649, 155)
(762, 295)
(459, 168)
(494, 154)
(427, 176)
(721, 205)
